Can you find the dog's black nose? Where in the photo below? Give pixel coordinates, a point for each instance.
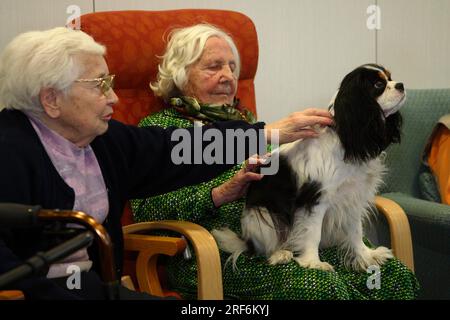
(399, 86)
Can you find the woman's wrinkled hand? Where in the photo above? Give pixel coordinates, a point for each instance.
(299, 125)
(237, 186)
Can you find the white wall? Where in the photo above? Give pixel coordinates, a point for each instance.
(17, 16)
(414, 41)
(306, 46)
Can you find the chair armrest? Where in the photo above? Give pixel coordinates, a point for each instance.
(149, 248)
(205, 247)
(423, 210)
(430, 228)
(430, 221)
(399, 228)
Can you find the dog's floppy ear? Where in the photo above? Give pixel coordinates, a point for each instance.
(359, 119)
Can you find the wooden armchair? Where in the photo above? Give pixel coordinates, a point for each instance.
(134, 40)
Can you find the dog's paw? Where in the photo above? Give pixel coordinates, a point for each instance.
(314, 264)
(381, 255)
(371, 257)
(281, 257)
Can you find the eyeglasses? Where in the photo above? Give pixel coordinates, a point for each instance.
(105, 83)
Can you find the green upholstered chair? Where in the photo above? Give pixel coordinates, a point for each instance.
(429, 221)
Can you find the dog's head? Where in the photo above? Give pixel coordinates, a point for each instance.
(366, 112)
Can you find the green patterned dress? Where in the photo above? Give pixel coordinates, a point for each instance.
(254, 277)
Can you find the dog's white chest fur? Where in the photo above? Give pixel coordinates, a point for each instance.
(347, 188)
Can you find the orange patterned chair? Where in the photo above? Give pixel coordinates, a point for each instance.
(134, 40)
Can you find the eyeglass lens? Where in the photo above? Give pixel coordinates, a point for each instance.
(107, 83)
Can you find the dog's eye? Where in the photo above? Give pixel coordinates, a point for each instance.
(379, 84)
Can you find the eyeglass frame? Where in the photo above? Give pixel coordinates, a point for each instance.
(105, 83)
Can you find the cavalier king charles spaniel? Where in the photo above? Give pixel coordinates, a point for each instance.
(325, 186)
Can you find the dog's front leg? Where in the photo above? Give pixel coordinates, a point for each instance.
(305, 238)
(357, 255)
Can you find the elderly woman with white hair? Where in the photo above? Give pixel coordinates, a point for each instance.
(198, 80)
(60, 149)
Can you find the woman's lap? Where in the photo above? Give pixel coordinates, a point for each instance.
(255, 279)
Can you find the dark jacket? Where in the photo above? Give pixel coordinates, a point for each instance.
(135, 162)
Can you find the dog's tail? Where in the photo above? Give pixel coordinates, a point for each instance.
(230, 242)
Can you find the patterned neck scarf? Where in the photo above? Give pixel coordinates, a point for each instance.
(194, 110)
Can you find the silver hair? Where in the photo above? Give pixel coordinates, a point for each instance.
(184, 48)
(42, 59)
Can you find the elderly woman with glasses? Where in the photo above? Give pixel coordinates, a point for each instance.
(198, 80)
(60, 149)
